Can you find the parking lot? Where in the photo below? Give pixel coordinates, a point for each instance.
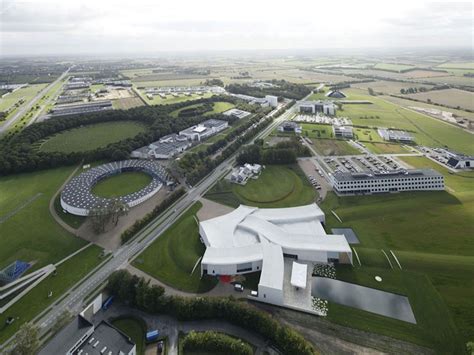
(316, 176)
(364, 163)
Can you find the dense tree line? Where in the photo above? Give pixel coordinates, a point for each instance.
(284, 152)
(19, 153)
(142, 222)
(215, 342)
(138, 293)
(282, 89)
(196, 110)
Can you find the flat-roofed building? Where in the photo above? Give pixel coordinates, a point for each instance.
(166, 147)
(234, 112)
(343, 131)
(313, 107)
(76, 109)
(458, 160)
(345, 183)
(204, 129)
(395, 135)
(290, 126)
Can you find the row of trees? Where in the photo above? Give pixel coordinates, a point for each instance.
(284, 152)
(136, 292)
(413, 90)
(19, 153)
(215, 342)
(281, 88)
(142, 222)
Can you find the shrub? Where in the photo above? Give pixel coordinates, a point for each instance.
(215, 342)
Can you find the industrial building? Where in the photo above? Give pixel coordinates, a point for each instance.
(313, 107)
(268, 100)
(204, 129)
(290, 126)
(251, 239)
(236, 113)
(76, 109)
(343, 131)
(346, 183)
(395, 136)
(81, 337)
(165, 148)
(185, 89)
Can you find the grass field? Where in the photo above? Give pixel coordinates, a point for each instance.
(218, 107)
(71, 219)
(157, 100)
(277, 186)
(387, 87)
(430, 233)
(121, 184)
(27, 93)
(334, 147)
(135, 328)
(459, 65)
(428, 131)
(30, 232)
(449, 97)
(385, 148)
(90, 137)
(36, 301)
(393, 67)
(172, 257)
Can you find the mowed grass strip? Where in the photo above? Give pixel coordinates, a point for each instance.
(121, 184)
(91, 137)
(31, 232)
(36, 301)
(135, 328)
(172, 256)
(334, 147)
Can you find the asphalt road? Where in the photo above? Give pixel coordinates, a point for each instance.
(21, 112)
(74, 297)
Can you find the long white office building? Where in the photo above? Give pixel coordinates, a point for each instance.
(251, 239)
(313, 107)
(345, 183)
(204, 129)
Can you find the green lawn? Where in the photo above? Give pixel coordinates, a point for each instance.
(71, 219)
(171, 258)
(431, 234)
(277, 186)
(31, 232)
(367, 135)
(121, 184)
(90, 137)
(385, 148)
(26, 93)
(218, 107)
(36, 301)
(427, 131)
(135, 328)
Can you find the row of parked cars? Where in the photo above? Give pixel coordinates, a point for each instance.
(314, 182)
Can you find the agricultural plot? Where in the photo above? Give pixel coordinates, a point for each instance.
(450, 97)
(426, 130)
(386, 87)
(277, 186)
(172, 257)
(457, 65)
(128, 103)
(91, 137)
(393, 67)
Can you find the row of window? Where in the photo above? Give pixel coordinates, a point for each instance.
(430, 178)
(416, 184)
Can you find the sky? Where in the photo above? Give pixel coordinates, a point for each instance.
(62, 27)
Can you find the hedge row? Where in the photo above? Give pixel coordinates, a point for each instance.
(215, 342)
(140, 223)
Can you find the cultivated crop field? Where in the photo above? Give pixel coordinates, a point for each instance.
(458, 65)
(125, 104)
(449, 97)
(393, 67)
(388, 87)
(91, 137)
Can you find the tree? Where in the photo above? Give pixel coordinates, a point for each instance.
(99, 216)
(470, 347)
(26, 340)
(402, 91)
(371, 91)
(117, 208)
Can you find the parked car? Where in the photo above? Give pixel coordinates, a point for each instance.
(254, 293)
(239, 288)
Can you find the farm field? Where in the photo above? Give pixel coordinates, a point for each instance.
(386, 87)
(393, 67)
(449, 97)
(91, 136)
(428, 131)
(334, 147)
(432, 248)
(36, 301)
(125, 104)
(458, 65)
(277, 186)
(172, 257)
(30, 231)
(121, 184)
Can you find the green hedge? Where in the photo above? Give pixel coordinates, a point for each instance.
(215, 342)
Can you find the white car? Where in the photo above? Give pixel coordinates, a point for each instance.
(239, 288)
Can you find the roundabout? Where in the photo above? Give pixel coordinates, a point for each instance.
(78, 198)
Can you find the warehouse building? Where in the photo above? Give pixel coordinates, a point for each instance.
(251, 239)
(313, 107)
(76, 109)
(345, 183)
(395, 136)
(268, 100)
(166, 147)
(81, 337)
(204, 129)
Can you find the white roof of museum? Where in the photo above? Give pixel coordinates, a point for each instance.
(240, 235)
